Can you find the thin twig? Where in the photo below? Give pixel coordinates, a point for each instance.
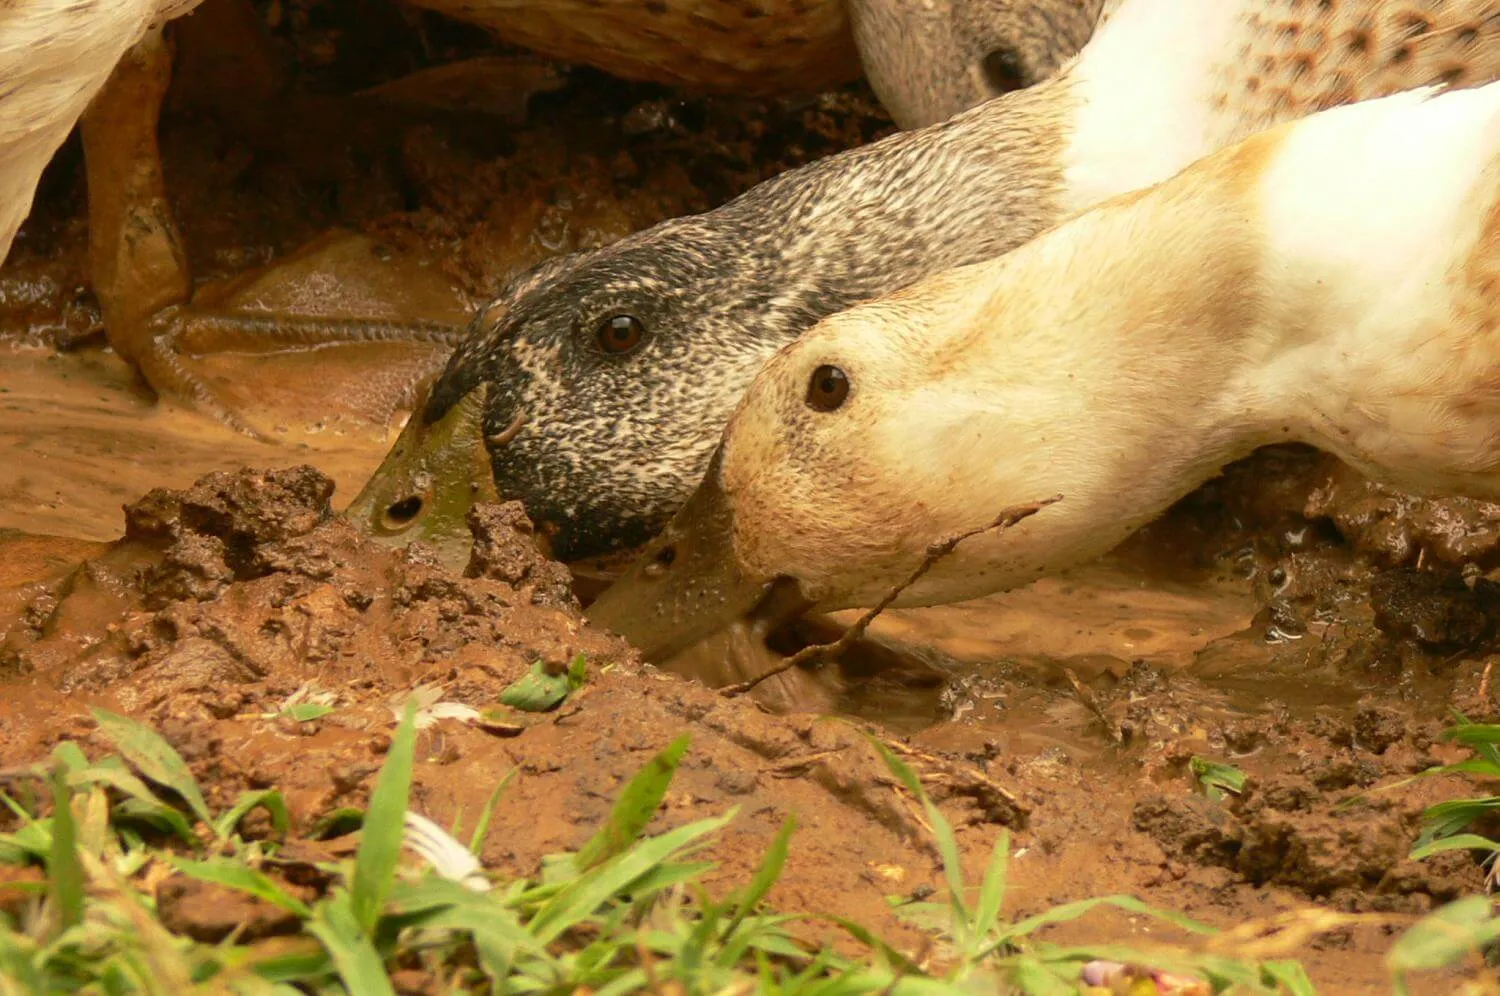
(936, 552)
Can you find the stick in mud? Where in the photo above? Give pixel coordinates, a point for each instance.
(937, 551)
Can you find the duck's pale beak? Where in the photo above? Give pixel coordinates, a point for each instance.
(428, 482)
(689, 584)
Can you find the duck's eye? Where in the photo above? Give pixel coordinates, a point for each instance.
(827, 389)
(620, 334)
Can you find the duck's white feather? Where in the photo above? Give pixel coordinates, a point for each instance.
(1145, 86)
(54, 56)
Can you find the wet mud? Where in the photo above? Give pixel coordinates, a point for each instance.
(1289, 618)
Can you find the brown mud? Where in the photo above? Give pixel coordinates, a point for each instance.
(1288, 618)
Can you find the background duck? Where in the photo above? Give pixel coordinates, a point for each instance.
(56, 55)
(1333, 282)
(624, 363)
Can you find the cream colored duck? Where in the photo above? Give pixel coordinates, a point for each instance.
(1334, 281)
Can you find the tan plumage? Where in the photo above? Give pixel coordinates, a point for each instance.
(1331, 281)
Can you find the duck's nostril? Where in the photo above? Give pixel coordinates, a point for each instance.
(402, 512)
(661, 561)
(1004, 71)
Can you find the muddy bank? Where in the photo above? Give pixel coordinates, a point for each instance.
(228, 600)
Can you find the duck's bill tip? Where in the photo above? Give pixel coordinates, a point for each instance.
(432, 476)
(687, 585)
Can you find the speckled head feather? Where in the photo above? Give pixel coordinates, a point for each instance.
(612, 444)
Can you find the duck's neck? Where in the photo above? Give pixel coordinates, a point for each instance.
(1140, 102)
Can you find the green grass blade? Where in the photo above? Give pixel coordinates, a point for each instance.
(635, 808)
(1458, 842)
(992, 892)
(482, 828)
(243, 879)
(765, 876)
(1072, 911)
(347, 941)
(580, 898)
(384, 824)
(154, 757)
(942, 832)
(1290, 976)
(1444, 936)
(64, 869)
(268, 799)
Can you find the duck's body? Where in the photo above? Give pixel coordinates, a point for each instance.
(1335, 281)
(613, 443)
(55, 55)
(926, 60)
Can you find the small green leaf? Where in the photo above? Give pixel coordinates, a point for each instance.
(268, 799)
(578, 672)
(64, 869)
(385, 821)
(636, 806)
(304, 712)
(243, 879)
(538, 691)
(155, 758)
(1217, 777)
(336, 823)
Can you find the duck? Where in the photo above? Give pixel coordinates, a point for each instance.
(621, 365)
(55, 55)
(109, 64)
(1333, 281)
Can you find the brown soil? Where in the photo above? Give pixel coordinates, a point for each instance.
(1288, 618)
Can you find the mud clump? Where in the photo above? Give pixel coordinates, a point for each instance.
(1395, 529)
(504, 550)
(1439, 611)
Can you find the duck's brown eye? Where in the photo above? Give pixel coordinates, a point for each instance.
(620, 334)
(827, 389)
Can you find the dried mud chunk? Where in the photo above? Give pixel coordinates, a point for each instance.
(1376, 728)
(248, 508)
(192, 570)
(1436, 610)
(209, 913)
(1395, 528)
(1193, 826)
(505, 551)
(1319, 853)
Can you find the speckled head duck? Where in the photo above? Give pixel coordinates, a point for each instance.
(621, 366)
(1332, 281)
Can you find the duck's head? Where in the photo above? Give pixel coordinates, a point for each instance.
(849, 456)
(593, 390)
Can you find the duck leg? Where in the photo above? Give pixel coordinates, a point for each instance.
(929, 61)
(139, 268)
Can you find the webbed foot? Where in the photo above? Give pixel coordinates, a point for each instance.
(139, 267)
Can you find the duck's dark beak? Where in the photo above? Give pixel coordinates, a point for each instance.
(689, 584)
(428, 482)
